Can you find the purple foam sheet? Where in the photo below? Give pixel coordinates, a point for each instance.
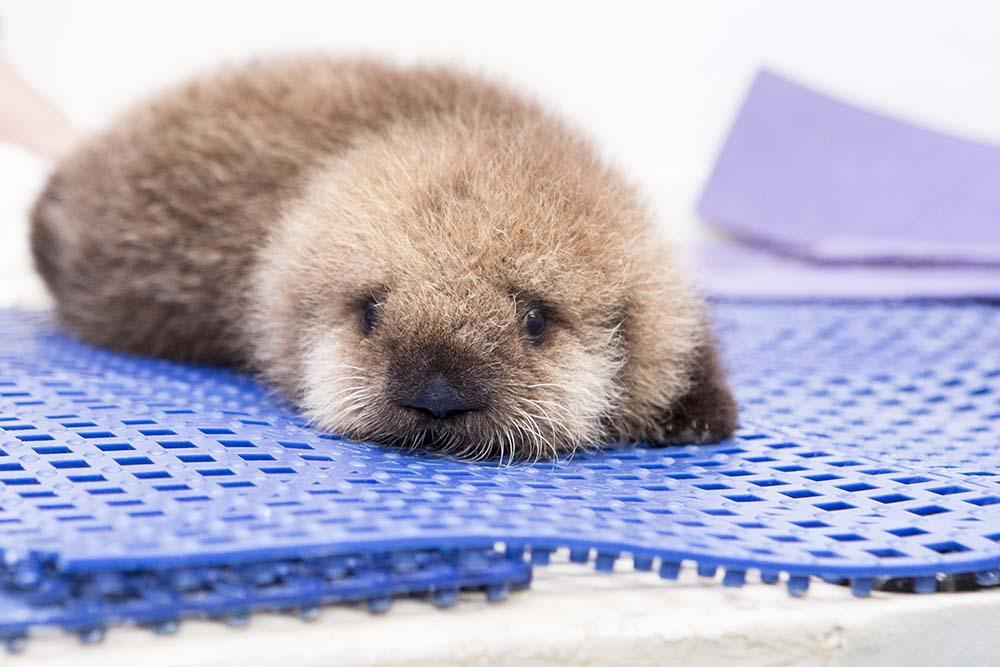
(731, 269)
(812, 177)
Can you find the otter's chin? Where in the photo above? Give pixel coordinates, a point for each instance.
(478, 436)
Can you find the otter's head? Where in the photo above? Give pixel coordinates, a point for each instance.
(485, 292)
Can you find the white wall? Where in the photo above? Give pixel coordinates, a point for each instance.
(655, 82)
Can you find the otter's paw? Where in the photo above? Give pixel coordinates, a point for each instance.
(711, 429)
(706, 413)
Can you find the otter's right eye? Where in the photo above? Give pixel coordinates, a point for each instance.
(369, 316)
(534, 324)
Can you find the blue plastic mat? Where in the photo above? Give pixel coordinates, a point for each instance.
(88, 603)
(870, 447)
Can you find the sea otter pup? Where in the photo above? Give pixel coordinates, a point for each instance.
(413, 255)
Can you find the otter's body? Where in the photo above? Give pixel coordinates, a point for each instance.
(412, 255)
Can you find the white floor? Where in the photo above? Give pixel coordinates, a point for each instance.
(571, 616)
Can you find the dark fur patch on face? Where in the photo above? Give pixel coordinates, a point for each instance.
(412, 369)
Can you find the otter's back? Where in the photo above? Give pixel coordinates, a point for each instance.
(147, 233)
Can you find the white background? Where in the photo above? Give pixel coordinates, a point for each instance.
(655, 83)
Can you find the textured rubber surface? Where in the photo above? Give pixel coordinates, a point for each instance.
(869, 448)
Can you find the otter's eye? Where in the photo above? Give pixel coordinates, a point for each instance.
(369, 316)
(534, 324)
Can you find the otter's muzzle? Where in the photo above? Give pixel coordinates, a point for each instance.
(438, 381)
(437, 398)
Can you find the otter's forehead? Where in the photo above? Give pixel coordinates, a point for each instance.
(493, 272)
(471, 217)
(488, 237)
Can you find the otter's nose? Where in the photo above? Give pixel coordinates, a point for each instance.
(438, 399)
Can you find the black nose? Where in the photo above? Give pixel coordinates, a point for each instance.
(438, 399)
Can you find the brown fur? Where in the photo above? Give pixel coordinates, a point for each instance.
(246, 217)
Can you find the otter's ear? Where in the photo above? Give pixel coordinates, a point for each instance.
(675, 386)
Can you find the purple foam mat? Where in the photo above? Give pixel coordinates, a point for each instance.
(814, 177)
(730, 269)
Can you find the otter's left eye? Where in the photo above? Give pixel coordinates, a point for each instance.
(534, 324)
(369, 316)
